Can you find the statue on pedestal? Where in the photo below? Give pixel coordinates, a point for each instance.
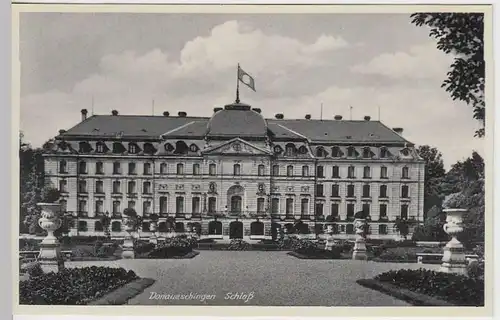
(329, 238)
(50, 257)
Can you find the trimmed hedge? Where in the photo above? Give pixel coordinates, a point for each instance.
(454, 288)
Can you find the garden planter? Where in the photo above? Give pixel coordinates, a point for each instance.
(453, 253)
(50, 257)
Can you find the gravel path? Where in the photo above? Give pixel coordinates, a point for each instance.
(270, 278)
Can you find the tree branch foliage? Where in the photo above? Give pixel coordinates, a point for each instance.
(461, 34)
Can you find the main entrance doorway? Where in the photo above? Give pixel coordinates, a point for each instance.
(236, 230)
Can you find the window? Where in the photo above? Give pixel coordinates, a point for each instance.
(335, 190)
(131, 204)
(64, 205)
(349, 229)
(146, 187)
(132, 148)
(260, 170)
(367, 153)
(212, 169)
(116, 187)
(180, 168)
(236, 204)
(131, 187)
(131, 168)
(117, 168)
(99, 207)
(82, 186)
(179, 205)
(236, 170)
(319, 190)
(147, 168)
(163, 168)
(82, 226)
(116, 226)
(289, 171)
(116, 207)
(146, 207)
(261, 205)
(351, 152)
(351, 172)
(319, 172)
(304, 206)
(320, 152)
(99, 168)
(63, 186)
(366, 208)
(350, 210)
(100, 147)
(82, 167)
(366, 172)
(146, 226)
(350, 191)
(82, 206)
(383, 211)
(404, 211)
(319, 209)
(335, 172)
(163, 205)
(405, 173)
(383, 172)
(382, 229)
(366, 191)
(276, 170)
(275, 205)
(63, 166)
(335, 209)
(305, 171)
(289, 206)
(196, 169)
(99, 186)
(383, 153)
(212, 204)
(195, 205)
(404, 192)
(118, 148)
(336, 152)
(383, 191)
(290, 150)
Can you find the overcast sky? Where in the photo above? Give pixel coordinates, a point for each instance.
(188, 63)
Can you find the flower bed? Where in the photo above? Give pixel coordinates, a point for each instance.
(453, 288)
(172, 248)
(75, 286)
(306, 249)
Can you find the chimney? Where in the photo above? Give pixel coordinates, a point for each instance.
(182, 114)
(338, 117)
(367, 118)
(62, 131)
(257, 110)
(308, 116)
(398, 130)
(166, 113)
(114, 112)
(217, 109)
(279, 116)
(84, 114)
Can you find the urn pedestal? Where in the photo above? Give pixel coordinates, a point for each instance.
(330, 242)
(359, 252)
(154, 236)
(128, 251)
(50, 257)
(453, 253)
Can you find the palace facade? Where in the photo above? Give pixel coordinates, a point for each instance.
(236, 174)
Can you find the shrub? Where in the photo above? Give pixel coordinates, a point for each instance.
(75, 286)
(33, 269)
(238, 245)
(144, 247)
(287, 244)
(311, 249)
(50, 195)
(454, 288)
(173, 247)
(475, 270)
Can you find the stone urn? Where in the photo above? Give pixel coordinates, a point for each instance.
(154, 235)
(329, 244)
(50, 257)
(453, 253)
(359, 252)
(128, 241)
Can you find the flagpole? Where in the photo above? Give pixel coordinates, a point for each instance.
(350, 112)
(238, 85)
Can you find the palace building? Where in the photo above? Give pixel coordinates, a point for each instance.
(236, 174)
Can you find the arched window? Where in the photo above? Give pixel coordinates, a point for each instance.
(169, 147)
(289, 171)
(98, 226)
(63, 166)
(82, 167)
(116, 226)
(215, 228)
(237, 169)
(163, 168)
(212, 169)
(320, 152)
(305, 171)
(351, 152)
(257, 228)
(180, 168)
(405, 173)
(260, 170)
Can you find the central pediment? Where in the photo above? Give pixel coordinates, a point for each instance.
(237, 146)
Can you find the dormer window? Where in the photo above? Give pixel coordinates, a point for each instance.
(118, 147)
(336, 153)
(132, 148)
(384, 153)
(367, 153)
(84, 147)
(303, 150)
(101, 147)
(169, 147)
(277, 149)
(351, 152)
(290, 150)
(149, 148)
(193, 148)
(320, 152)
(405, 152)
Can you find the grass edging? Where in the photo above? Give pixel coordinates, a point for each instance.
(303, 256)
(416, 299)
(124, 293)
(189, 255)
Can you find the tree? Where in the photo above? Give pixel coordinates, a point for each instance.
(434, 174)
(461, 34)
(403, 227)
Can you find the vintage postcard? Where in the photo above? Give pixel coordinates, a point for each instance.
(200, 158)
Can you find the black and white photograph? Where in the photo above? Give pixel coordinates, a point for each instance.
(316, 159)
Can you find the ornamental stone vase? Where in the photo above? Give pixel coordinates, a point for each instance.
(128, 251)
(50, 257)
(154, 235)
(329, 238)
(453, 253)
(359, 252)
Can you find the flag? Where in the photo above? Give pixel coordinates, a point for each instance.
(246, 78)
